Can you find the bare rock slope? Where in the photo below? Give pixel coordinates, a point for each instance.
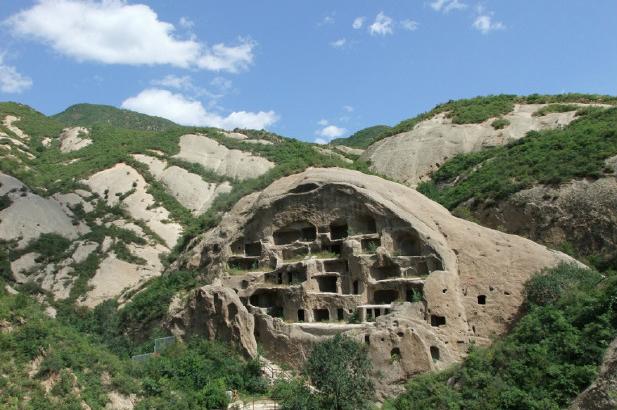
(410, 157)
(332, 251)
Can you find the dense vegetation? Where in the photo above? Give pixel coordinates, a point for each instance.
(83, 364)
(550, 356)
(339, 369)
(89, 115)
(362, 138)
(546, 157)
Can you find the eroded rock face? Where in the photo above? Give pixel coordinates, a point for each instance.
(74, 139)
(581, 214)
(215, 312)
(222, 160)
(410, 157)
(602, 394)
(332, 251)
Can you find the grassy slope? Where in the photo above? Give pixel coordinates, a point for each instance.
(480, 109)
(77, 351)
(88, 115)
(550, 356)
(362, 138)
(547, 157)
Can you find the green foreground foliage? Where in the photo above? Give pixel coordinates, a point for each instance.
(362, 138)
(339, 369)
(550, 356)
(75, 357)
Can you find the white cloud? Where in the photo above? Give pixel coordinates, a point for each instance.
(358, 23)
(485, 23)
(223, 58)
(322, 122)
(347, 108)
(186, 23)
(448, 5)
(115, 32)
(222, 84)
(340, 43)
(173, 81)
(186, 111)
(328, 133)
(382, 25)
(11, 81)
(327, 20)
(409, 25)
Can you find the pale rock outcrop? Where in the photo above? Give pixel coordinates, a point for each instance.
(189, 189)
(74, 139)
(121, 179)
(349, 150)
(115, 276)
(71, 200)
(23, 266)
(410, 157)
(9, 121)
(317, 250)
(215, 312)
(30, 215)
(212, 155)
(330, 153)
(83, 250)
(235, 135)
(602, 394)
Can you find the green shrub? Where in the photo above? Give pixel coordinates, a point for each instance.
(500, 123)
(340, 370)
(5, 202)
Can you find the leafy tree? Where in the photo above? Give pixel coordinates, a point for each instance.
(339, 368)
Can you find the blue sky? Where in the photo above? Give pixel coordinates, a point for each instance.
(309, 69)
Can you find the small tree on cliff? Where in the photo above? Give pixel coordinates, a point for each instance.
(339, 368)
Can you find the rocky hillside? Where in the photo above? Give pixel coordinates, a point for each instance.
(92, 210)
(125, 227)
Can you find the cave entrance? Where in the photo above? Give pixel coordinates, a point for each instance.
(338, 230)
(300, 315)
(407, 243)
(252, 249)
(327, 283)
(297, 231)
(321, 315)
(364, 224)
(356, 287)
(385, 296)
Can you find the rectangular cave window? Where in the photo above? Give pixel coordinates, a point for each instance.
(282, 237)
(385, 296)
(367, 339)
(437, 320)
(364, 224)
(276, 311)
(434, 353)
(300, 315)
(327, 283)
(321, 315)
(370, 245)
(252, 249)
(297, 276)
(237, 248)
(244, 264)
(340, 314)
(385, 272)
(481, 299)
(335, 266)
(338, 231)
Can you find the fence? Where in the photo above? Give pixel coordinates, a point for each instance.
(160, 345)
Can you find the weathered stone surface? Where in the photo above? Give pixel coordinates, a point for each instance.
(581, 214)
(73, 139)
(317, 250)
(222, 160)
(215, 312)
(411, 156)
(189, 189)
(123, 179)
(602, 394)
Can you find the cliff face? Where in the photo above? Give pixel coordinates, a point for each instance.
(333, 251)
